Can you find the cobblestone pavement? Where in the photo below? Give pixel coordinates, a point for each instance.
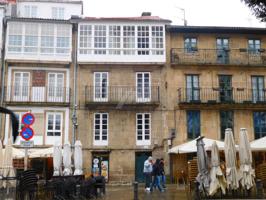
(126, 193)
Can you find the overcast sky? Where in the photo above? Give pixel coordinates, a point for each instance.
(198, 12)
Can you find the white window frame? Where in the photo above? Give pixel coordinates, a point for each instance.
(31, 35)
(115, 42)
(85, 39)
(129, 40)
(20, 97)
(100, 99)
(143, 98)
(15, 31)
(57, 92)
(54, 121)
(143, 141)
(47, 34)
(58, 12)
(100, 39)
(101, 142)
(144, 39)
(30, 11)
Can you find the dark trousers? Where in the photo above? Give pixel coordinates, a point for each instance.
(147, 179)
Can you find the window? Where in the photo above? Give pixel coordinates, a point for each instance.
(193, 124)
(193, 90)
(58, 13)
(254, 46)
(157, 40)
(222, 45)
(190, 45)
(47, 38)
(63, 39)
(30, 11)
(143, 40)
(21, 86)
(54, 124)
(226, 121)
(129, 40)
(225, 88)
(55, 87)
(19, 117)
(101, 86)
(100, 39)
(258, 93)
(31, 38)
(15, 37)
(259, 120)
(100, 129)
(143, 128)
(114, 40)
(85, 39)
(143, 86)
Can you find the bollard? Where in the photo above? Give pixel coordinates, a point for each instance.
(259, 189)
(135, 184)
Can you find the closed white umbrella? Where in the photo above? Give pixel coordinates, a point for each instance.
(203, 177)
(78, 158)
(67, 159)
(217, 177)
(57, 159)
(8, 170)
(1, 159)
(246, 173)
(230, 160)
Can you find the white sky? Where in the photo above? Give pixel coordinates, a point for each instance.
(198, 12)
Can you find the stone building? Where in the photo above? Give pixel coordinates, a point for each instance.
(120, 118)
(216, 80)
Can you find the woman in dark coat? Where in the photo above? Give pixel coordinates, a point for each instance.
(156, 176)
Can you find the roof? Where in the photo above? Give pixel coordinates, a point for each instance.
(138, 18)
(215, 29)
(53, 1)
(22, 19)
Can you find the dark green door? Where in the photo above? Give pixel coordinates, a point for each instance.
(139, 163)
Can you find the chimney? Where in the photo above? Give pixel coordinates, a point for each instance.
(146, 14)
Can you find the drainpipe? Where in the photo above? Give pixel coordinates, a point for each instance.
(3, 71)
(74, 106)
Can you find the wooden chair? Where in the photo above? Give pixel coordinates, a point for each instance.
(192, 172)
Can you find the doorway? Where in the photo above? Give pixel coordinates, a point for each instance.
(140, 158)
(100, 165)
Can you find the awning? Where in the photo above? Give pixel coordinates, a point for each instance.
(259, 144)
(190, 147)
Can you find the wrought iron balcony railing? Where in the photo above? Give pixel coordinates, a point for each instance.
(219, 95)
(218, 56)
(122, 95)
(37, 94)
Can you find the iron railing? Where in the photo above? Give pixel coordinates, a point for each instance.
(122, 95)
(37, 94)
(219, 95)
(218, 56)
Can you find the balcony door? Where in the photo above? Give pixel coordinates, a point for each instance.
(258, 89)
(192, 90)
(222, 45)
(225, 88)
(21, 86)
(55, 87)
(101, 86)
(143, 83)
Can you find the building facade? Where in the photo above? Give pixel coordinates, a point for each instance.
(216, 81)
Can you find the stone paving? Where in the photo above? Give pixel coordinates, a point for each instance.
(127, 193)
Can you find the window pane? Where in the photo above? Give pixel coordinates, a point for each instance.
(193, 124)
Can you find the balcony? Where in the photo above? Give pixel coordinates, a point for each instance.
(234, 57)
(24, 95)
(217, 98)
(122, 97)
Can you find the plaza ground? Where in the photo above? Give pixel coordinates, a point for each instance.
(127, 193)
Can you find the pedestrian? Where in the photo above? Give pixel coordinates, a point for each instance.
(156, 176)
(147, 170)
(162, 173)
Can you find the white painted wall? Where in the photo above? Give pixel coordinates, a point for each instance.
(44, 9)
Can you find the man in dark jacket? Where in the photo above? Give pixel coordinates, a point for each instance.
(156, 176)
(162, 173)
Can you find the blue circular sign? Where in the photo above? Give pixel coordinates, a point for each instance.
(27, 133)
(28, 119)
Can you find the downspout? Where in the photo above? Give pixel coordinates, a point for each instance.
(74, 106)
(3, 71)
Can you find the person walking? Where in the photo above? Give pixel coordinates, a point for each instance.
(162, 173)
(156, 176)
(147, 170)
